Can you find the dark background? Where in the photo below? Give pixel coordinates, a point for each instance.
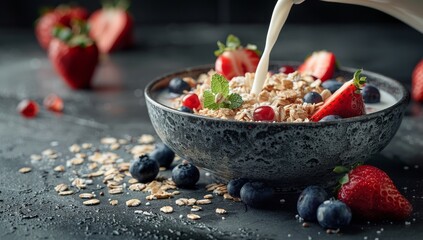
(22, 13)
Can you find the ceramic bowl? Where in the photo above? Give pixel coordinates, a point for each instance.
(288, 156)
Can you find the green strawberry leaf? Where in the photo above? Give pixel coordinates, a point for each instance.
(233, 42)
(234, 101)
(208, 100)
(221, 50)
(219, 84)
(358, 80)
(340, 169)
(345, 179)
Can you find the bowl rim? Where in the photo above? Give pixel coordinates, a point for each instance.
(405, 99)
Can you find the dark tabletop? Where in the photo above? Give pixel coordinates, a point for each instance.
(30, 208)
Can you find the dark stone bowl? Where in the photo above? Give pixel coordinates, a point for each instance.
(288, 156)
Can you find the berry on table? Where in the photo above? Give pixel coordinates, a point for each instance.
(332, 85)
(234, 186)
(333, 214)
(53, 103)
(144, 169)
(312, 97)
(28, 108)
(192, 101)
(185, 109)
(178, 85)
(309, 200)
(330, 118)
(163, 155)
(264, 113)
(256, 194)
(185, 175)
(286, 69)
(370, 94)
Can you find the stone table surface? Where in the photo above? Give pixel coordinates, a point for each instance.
(31, 209)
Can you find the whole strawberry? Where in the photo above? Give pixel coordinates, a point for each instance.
(74, 55)
(372, 195)
(417, 82)
(235, 60)
(61, 16)
(345, 102)
(112, 27)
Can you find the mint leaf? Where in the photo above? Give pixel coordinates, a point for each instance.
(219, 84)
(233, 42)
(221, 49)
(234, 101)
(208, 100)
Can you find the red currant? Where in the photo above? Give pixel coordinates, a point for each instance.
(286, 69)
(28, 108)
(192, 101)
(53, 103)
(264, 113)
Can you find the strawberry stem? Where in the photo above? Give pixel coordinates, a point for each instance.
(358, 80)
(233, 43)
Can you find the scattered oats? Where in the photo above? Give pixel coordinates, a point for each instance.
(75, 148)
(181, 201)
(79, 183)
(91, 202)
(132, 181)
(65, 193)
(115, 191)
(150, 197)
(36, 157)
(61, 187)
(162, 169)
(227, 196)
(81, 155)
(25, 170)
(133, 203)
(59, 168)
(48, 152)
(108, 140)
(86, 145)
(124, 166)
(236, 199)
(193, 216)
(96, 174)
(208, 196)
(167, 209)
(191, 201)
(196, 208)
(203, 201)
(92, 166)
(139, 150)
(123, 141)
(76, 161)
(114, 146)
(137, 187)
(176, 193)
(146, 139)
(86, 195)
(113, 202)
(220, 211)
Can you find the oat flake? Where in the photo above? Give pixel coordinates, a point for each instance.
(193, 216)
(166, 209)
(91, 202)
(133, 203)
(25, 170)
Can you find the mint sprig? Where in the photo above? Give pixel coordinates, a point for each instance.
(219, 96)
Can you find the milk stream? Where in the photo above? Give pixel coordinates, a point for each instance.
(408, 11)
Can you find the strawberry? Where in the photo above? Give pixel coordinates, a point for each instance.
(74, 55)
(345, 102)
(234, 60)
(372, 195)
(417, 82)
(320, 65)
(60, 16)
(112, 27)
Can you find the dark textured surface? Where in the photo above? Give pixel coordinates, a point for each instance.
(289, 156)
(29, 207)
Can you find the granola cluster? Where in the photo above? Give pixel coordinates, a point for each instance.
(283, 92)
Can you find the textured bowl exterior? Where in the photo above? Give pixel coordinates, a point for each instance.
(289, 156)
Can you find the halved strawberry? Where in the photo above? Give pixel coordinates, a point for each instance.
(74, 55)
(345, 102)
(60, 16)
(417, 82)
(234, 60)
(320, 64)
(112, 27)
(372, 195)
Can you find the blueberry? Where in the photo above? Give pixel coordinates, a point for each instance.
(235, 185)
(330, 118)
(163, 155)
(185, 175)
(370, 94)
(309, 200)
(178, 85)
(256, 194)
(333, 214)
(144, 169)
(185, 109)
(312, 97)
(332, 85)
